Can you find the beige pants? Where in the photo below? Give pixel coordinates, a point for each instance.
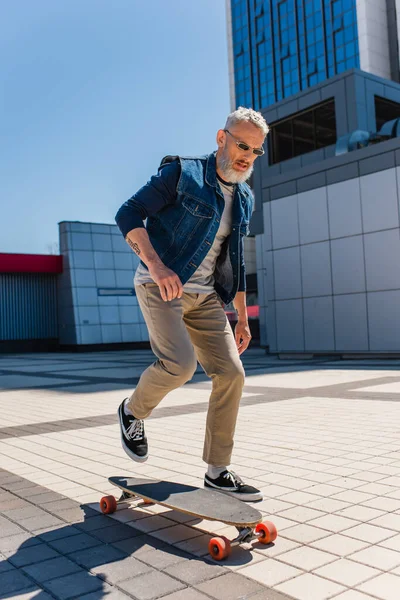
(182, 332)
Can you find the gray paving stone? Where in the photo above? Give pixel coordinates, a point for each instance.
(36, 523)
(108, 592)
(24, 512)
(187, 594)
(117, 533)
(76, 515)
(151, 585)
(34, 593)
(5, 565)
(195, 571)
(269, 595)
(34, 554)
(231, 586)
(138, 545)
(11, 502)
(120, 570)
(163, 558)
(13, 542)
(8, 528)
(60, 505)
(99, 522)
(14, 581)
(100, 555)
(45, 498)
(50, 569)
(58, 533)
(75, 585)
(74, 543)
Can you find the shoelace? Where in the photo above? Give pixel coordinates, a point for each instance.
(135, 430)
(233, 478)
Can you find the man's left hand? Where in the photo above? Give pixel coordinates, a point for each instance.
(242, 336)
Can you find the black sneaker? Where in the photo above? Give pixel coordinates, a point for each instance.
(231, 484)
(133, 438)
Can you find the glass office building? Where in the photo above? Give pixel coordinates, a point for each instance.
(281, 47)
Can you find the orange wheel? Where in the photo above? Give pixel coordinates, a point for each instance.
(108, 505)
(219, 548)
(267, 531)
(148, 502)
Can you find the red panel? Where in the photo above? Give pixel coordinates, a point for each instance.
(30, 263)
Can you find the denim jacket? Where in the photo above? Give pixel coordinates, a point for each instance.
(183, 205)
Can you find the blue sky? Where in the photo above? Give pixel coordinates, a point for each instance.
(93, 94)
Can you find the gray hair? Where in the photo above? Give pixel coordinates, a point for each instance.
(247, 114)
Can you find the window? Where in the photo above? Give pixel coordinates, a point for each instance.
(288, 37)
(303, 132)
(385, 110)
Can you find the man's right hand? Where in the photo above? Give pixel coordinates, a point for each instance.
(167, 280)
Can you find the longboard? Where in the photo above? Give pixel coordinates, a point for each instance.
(201, 503)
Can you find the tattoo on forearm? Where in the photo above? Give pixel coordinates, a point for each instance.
(134, 246)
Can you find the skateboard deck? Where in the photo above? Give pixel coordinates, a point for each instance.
(201, 503)
(205, 504)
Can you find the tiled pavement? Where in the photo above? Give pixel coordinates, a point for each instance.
(321, 438)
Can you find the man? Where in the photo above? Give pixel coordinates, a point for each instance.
(191, 250)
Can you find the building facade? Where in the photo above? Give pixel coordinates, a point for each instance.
(325, 75)
(278, 48)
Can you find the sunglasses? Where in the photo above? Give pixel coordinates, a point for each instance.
(245, 147)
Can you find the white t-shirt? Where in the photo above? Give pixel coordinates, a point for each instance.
(202, 280)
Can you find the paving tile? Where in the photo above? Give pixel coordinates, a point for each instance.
(340, 545)
(119, 570)
(97, 522)
(310, 587)
(161, 559)
(305, 533)
(74, 543)
(5, 565)
(390, 521)
(347, 572)
(36, 523)
(270, 572)
(231, 586)
(99, 555)
(195, 571)
(138, 545)
(106, 591)
(50, 569)
(393, 543)
(384, 587)
(35, 592)
(151, 585)
(115, 534)
(57, 533)
(31, 555)
(370, 533)
(13, 542)
(333, 523)
(378, 557)
(187, 594)
(352, 595)
(301, 514)
(14, 581)
(76, 584)
(7, 528)
(307, 558)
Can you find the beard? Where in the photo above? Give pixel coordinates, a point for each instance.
(230, 174)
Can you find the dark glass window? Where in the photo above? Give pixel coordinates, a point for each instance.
(303, 132)
(385, 110)
(287, 36)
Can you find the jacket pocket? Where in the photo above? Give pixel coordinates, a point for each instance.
(197, 208)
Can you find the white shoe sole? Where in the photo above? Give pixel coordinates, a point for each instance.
(243, 497)
(132, 455)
